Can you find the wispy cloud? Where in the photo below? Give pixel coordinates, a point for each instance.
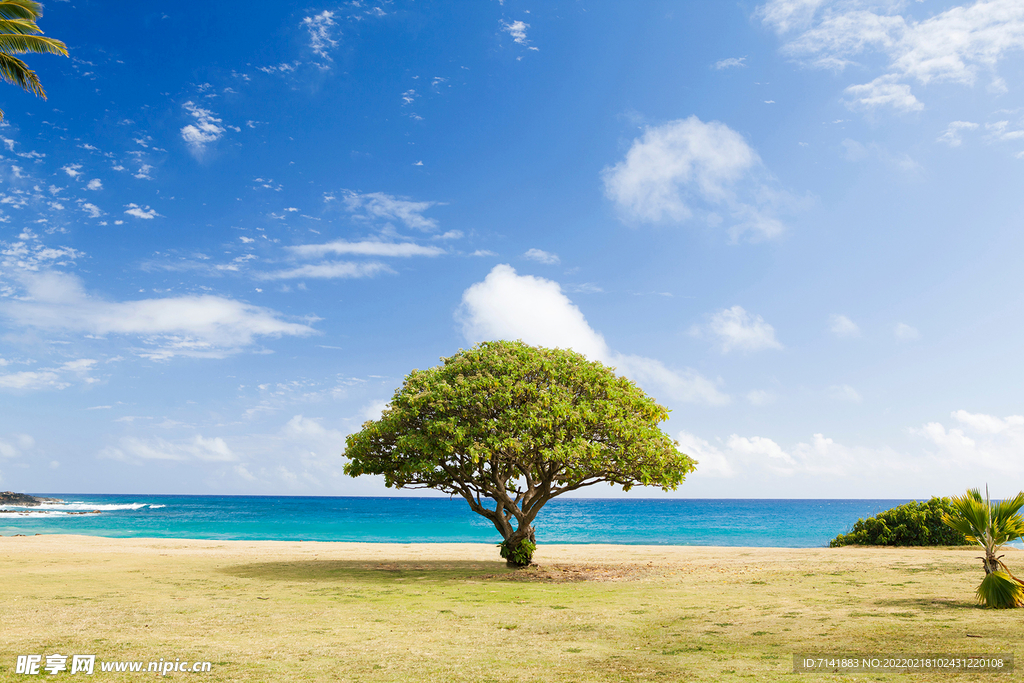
(321, 28)
(140, 212)
(737, 330)
(335, 270)
(730, 63)
(201, 326)
(386, 207)
(841, 326)
(365, 248)
(541, 256)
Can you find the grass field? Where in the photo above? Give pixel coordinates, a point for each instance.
(296, 611)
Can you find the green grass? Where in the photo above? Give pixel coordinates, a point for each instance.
(297, 612)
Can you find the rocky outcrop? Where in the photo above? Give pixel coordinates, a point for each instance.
(24, 500)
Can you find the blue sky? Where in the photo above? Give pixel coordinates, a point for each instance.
(228, 234)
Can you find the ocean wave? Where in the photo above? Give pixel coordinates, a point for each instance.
(75, 506)
(154, 507)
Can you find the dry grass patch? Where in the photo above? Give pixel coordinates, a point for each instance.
(282, 611)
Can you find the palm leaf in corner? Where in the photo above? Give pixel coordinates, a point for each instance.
(19, 34)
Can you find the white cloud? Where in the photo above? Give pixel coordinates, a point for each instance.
(133, 449)
(511, 306)
(334, 270)
(730, 63)
(381, 206)
(203, 132)
(841, 326)
(983, 442)
(541, 256)
(321, 28)
(22, 443)
(516, 29)
(200, 326)
(951, 136)
(91, 209)
(951, 46)
(139, 212)
(73, 170)
(760, 397)
(95, 184)
(365, 248)
(905, 333)
(58, 377)
(735, 329)
(844, 392)
(672, 166)
(883, 92)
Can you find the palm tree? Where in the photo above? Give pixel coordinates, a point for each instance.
(18, 35)
(991, 526)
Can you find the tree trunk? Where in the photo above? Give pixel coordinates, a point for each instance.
(513, 543)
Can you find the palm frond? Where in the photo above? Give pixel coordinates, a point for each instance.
(15, 71)
(1001, 591)
(20, 9)
(20, 27)
(19, 44)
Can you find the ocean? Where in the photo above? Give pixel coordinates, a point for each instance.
(719, 522)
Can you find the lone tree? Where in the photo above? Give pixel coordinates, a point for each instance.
(517, 425)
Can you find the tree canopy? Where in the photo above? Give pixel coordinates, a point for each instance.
(20, 34)
(509, 426)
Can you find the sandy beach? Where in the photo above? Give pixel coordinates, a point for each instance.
(292, 610)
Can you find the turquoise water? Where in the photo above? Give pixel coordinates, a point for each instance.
(723, 522)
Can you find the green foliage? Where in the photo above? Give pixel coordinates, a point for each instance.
(517, 425)
(987, 524)
(913, 523)
(20, 34)
(991, 525)
(1001, 590)
(521, 555)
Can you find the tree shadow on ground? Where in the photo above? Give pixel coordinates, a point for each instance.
(929, 604)
(345, 571)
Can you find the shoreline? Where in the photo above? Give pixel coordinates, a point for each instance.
(553, 552)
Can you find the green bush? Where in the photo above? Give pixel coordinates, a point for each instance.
(911, 524)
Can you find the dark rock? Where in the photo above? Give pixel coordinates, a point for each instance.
(24, 500)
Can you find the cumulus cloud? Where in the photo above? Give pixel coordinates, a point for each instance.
(980, 442)
(516, 29)
(95, 184)
(381, 206)
(364, 248)
(511, 306)
(139, 212)
(841, 326)
(200, 326)
(687, 163)
(91, 209)
(883, 91)
(205, 131)
(541, 256)
(321, 29)
(73, 170)
(951, 46)
(737, 330)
